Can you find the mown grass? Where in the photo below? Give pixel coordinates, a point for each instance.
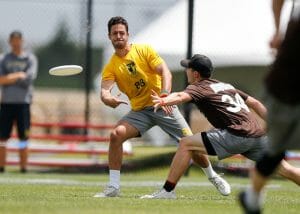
(47, 193)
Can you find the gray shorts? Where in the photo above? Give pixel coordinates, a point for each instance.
(226, 144)
(284, 126)
(175, 124)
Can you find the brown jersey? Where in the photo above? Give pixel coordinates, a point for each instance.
(224, 107)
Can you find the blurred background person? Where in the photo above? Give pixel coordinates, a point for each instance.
(283, 100)
(18, 69)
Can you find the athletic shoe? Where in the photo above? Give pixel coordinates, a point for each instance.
(109, 191)
(161, 194)
(244, 205)
(222, 186)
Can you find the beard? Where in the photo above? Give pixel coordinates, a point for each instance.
(119, 44)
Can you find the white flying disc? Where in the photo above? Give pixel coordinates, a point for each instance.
(65, 70)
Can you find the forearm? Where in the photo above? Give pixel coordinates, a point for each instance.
(106, 97)
(257, 107)
(8, 79)
(167, 80)
(173, 99)
(276, 8)
(261, 112)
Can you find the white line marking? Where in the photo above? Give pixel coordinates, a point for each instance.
(48, 181)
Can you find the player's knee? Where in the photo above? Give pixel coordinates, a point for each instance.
(183, 143)
(118, 134)
(268, 164)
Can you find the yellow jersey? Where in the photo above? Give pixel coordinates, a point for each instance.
(135, 74)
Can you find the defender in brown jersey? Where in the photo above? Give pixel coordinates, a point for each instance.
(236, 129)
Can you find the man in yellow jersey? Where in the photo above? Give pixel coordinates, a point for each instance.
(137, 70)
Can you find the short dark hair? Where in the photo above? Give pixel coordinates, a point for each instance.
(117, 20)
(15, 33)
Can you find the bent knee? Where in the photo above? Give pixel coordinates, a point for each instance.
(118, 134)
(184, 141)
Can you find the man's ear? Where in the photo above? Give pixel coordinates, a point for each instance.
(196, 74)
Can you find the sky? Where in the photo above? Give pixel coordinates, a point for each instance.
(38, 19)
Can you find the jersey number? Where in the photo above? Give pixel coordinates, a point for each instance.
(139, 84)
(237, 103)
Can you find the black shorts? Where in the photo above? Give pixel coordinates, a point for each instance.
(14, 113)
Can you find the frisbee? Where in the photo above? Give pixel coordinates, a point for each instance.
(65, 70)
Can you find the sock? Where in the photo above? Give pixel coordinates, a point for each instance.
(209, 171)
(23, 144)
(114, 178)
(169, 186)
(253, 199)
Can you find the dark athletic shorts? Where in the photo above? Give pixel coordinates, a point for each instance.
(18, 114)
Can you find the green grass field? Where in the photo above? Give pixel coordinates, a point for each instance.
(50, 193)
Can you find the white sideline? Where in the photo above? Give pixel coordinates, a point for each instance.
(47, 181)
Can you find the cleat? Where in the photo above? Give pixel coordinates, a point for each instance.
(245, 207)
(221, 185)
(161, 194)
(109, 191)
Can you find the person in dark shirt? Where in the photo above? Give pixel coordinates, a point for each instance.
(18, 70)
(236, 128)
(283, 104)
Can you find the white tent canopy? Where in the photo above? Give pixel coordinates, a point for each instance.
(230, 32)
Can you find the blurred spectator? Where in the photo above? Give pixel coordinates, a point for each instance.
(18, 69)
(283, 100)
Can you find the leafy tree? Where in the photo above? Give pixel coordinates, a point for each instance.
(62, 50)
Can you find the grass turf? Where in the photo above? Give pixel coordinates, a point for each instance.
(47, 193)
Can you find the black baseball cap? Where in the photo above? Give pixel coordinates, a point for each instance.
(200, 63)
(15, 33)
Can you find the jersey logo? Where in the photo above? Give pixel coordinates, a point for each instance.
(131, 68)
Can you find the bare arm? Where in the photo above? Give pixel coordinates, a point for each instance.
(12, 78)
(173, 99)
(166, 80)
(257, 106)
(106, 96)
(276, 9)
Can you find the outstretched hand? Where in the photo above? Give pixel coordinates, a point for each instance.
(158, 101)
